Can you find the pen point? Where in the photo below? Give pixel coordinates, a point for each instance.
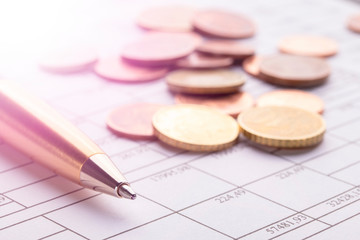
(126, 191)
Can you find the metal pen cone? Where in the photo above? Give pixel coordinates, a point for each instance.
(126, 191)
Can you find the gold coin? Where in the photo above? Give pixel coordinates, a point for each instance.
(285, 127)
(195, 128)
(219, 81)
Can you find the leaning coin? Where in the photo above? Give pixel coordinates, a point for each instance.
(308, 45)
(167, 18)
(195, 128)
(284, 127)
(201, 61)
(251, 65)
(115, 69)
(292, 98)
(294, 71)
(133, 120)
(354, 23)
(223, 24)
(228, 48)
(160, 48)
(231, 104)
(218, 81)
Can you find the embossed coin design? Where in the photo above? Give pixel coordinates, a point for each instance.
(69, 59)
(284, 127)
(116, 69)
(294, 71)
(201, 61)
(354, 23)
(167, 18)
(307, 45)
(219, 81)
(195, 128)
(231, 104)
(229, 48)
(292, 98)
(133, 120)
(223, 24)
(160, 48)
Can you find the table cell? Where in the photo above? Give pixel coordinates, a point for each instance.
(181, 187)
(10, 208)
(298, 188)
(116, 215)
(349, 174)
(241, 164)
(349, 131)
(237, 213)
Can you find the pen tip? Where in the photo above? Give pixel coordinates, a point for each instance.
(126, 191)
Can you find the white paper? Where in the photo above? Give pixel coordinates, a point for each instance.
(245, 192)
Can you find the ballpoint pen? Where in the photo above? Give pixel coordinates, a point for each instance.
(34, 128)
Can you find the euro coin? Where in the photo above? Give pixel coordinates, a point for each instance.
(195, 128)
(283, 127)
(215, 81)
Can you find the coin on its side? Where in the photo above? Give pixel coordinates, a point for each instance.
(230, 48)
(223, 24)
(195, 128)
(294, 71)
(292, 98)
(354, 23)
(308, 45)
(167, 18)
(231, 104)
(218, 81)
(133, 120)
(284, 127)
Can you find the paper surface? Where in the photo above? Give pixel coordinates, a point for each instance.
(245, 192)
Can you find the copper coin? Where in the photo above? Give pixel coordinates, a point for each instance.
(69, 59)
(229, 48)
(198, 60)
(215, 81)
(251, 65)
(117, 70)
(307, 45)
(220, 23)
(294, 71)
(292, 98)
(161, 48)
(133, 120)
(167, 18)
(231, 104)
(354, 23)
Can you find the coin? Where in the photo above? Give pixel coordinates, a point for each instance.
(195, 128)
(133, 120)
(251, 65)
(219, 81)
(228, 48)
(285, 127)
(167, 18)
(292, 98)
(354, 23)
(223, 24)
(231, 104)
(115, 69)
(69, 59)
(198, 60)
(307, 45)
(160, 48)
(294, 71)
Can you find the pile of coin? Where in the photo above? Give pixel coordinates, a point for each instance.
(194, 50)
